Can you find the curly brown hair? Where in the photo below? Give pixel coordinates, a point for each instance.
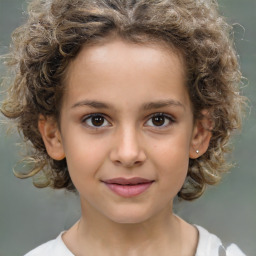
(57, 29)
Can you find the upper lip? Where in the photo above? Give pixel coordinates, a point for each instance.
(124, 181)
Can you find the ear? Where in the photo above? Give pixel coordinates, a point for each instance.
(201, 135)
(51, 136)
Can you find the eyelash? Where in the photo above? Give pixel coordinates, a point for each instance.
(170, 119)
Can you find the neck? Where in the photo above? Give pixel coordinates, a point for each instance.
(163, 234)
(95, 234)
(127, 233)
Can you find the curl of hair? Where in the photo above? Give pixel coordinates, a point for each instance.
(57, 29)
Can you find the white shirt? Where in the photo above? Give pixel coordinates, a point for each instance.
(211, 245)
(208, 245)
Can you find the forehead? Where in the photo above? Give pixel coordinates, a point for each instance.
(133, 72)
(114, 48)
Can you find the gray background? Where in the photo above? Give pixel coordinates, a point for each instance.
(30, 216)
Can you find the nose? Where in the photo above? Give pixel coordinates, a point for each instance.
(127, 149)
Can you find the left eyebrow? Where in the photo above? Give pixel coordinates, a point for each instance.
(161, 104)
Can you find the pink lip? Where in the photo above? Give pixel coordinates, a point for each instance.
(124, 181)
(128, 187)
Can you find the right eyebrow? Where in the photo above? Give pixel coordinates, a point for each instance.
(91, 103)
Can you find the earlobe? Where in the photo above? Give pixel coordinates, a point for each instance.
(49, 131)
(201, 137)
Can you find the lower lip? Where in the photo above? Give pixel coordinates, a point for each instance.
(129, 190)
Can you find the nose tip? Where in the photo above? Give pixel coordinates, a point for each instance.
(128, 159)
(129, 164)
(128, 152)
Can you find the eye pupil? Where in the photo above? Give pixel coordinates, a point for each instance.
(97, 120)
(158, 120)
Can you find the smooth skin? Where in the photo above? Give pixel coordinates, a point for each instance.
(142, 126)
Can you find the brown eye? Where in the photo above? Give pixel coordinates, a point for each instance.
(98, 120)
(95, 121)
(160, 120)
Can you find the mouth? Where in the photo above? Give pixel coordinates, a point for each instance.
(130, 181)
(128, 187)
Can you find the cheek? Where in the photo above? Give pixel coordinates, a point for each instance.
(171, 159)
(84, 158)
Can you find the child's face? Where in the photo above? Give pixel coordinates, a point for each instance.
(142, 126)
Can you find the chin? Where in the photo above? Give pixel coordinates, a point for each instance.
(129, 216)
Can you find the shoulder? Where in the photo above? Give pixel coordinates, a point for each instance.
(210, 245)
(55, 247)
